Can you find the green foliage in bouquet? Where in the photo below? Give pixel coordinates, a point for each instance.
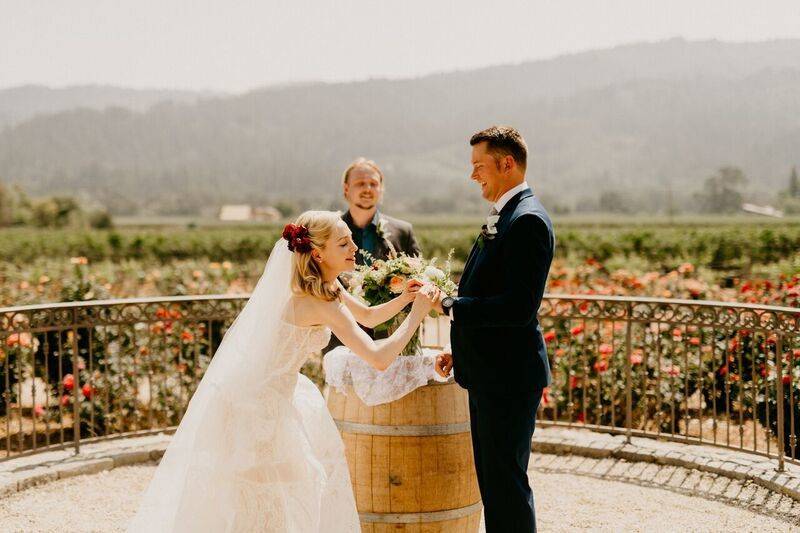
(383, 280)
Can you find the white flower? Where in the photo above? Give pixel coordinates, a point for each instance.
(491, 222)
(431, 273)
(383, 229)
(377, 276)
(354, 279)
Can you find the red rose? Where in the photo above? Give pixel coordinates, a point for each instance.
(550, 336)
(298, 237)
(65, 400)
(87, 391)
(69, 382)
(601, 365)
(577, 330)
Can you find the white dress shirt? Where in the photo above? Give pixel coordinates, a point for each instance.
(509, 194)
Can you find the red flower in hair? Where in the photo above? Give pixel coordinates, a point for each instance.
(298, 238)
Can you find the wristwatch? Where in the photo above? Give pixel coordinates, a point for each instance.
(447, 304)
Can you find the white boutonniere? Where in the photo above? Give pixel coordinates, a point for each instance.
(488, 230)
(382, 229)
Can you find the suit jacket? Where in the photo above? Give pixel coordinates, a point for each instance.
(392, 231)
(496, 339)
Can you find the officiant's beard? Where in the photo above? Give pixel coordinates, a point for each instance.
(366, 205)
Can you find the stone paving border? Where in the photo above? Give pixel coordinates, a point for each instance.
(19, 474)
(733, 464)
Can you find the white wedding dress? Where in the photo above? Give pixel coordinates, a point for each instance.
(257, 450)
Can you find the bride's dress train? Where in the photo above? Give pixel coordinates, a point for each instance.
(257, 450)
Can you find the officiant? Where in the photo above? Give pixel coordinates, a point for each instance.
(373, 231)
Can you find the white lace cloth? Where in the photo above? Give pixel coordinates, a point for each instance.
(343, 368)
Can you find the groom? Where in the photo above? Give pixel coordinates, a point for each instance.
(497, 347)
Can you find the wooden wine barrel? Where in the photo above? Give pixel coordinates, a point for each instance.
(411, 461)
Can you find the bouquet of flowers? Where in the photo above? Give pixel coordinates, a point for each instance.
(382, 280)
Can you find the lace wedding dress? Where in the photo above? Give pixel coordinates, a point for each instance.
(257, 450)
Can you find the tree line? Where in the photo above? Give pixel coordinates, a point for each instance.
(18, 209)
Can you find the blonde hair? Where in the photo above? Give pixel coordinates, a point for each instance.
(365, 163)
(306, 273)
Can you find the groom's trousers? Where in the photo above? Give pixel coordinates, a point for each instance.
(502, 428)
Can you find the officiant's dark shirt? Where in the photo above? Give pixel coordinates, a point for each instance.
(365, 238)
(397, 235)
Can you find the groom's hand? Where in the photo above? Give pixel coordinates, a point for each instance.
(444, 363)
(437, 305)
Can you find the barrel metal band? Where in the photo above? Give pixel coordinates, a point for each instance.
(403, 431)
(420, 518)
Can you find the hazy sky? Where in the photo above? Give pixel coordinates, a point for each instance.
(235, 45)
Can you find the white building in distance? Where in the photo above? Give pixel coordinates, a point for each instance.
(248, 213)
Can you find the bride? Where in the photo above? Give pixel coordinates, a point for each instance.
(257, 449)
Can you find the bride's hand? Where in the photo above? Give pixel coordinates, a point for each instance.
(425, 298)
(410, 292)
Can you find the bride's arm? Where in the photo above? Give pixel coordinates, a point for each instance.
(378, 314)
(379, 355)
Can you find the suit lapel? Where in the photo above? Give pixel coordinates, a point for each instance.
(501, 227)
(472, 253)
(508, 210)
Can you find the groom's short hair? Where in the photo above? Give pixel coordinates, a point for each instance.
(502, 141)
(362, 162)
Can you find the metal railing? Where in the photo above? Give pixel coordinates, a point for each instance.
(697, 372)
(82, 371)
(693, 371)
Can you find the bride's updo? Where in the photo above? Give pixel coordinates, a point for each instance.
(310, 231)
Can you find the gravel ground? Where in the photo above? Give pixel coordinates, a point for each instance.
(572, 493)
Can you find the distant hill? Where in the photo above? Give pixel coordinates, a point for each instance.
(641, 119)
(18, 104)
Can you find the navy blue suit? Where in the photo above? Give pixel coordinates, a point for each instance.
(499, 355)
